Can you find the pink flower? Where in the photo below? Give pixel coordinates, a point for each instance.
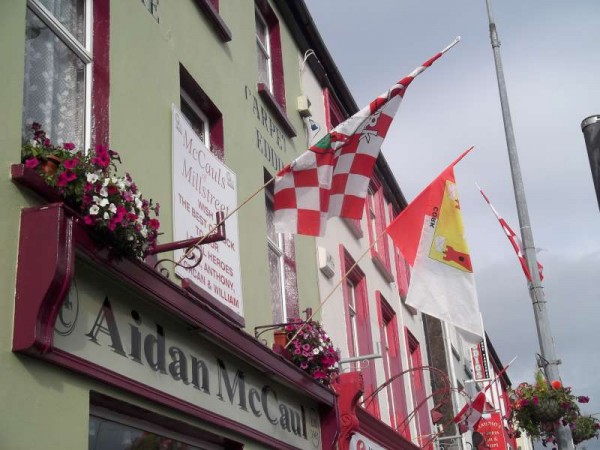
(319, 374)
(112, 189)
(89, 220)
(32, 163)
(303, 365)
(112, 224)
(297, 351)
(535, 400)
(101, 160)
(47, 142)
(69, 146)
(65, 178)
(157, 209)
(71, 163)
(35, 126)
(154, 224)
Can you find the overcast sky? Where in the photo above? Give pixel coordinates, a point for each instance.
(551, 62)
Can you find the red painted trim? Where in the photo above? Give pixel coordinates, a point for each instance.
(45, 264)
(44, 275)
(210, 9)
(333, 113)
(418, 387)
(277, 74)
(350, 386)
(363, 324)
(105, 375)
(101, 73)
(208, 107)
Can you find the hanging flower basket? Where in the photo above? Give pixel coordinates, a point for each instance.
(311, 350)
(538, 408)
(547, 410)
(584, 428)
(110, 205)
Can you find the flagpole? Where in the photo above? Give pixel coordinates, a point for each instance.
(548, 353)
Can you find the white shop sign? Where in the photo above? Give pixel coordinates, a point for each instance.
(203, 185)
(360, 442)
(112, 327)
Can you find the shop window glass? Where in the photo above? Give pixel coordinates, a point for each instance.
(106, 434)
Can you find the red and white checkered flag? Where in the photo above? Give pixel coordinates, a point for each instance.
(332, 177)
(514, 240)
(470, 415)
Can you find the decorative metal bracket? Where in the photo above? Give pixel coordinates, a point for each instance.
(273, 326)
(217, 235)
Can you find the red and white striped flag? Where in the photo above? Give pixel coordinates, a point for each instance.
(332, 177)
(514, 240)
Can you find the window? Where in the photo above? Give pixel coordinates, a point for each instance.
(282, 268)
(418, 390)
(376, 219)
(392, 365)
(119, 426)
(268, 48)
(358, 324)
(263, 51)
(203, 115)
(196, 117)
(58, 70)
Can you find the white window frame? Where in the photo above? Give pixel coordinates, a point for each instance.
(201, 114)
(277, 248)
(352, 314)
(266, 49)
(82, 51)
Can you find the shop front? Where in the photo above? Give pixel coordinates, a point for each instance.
(163, 368)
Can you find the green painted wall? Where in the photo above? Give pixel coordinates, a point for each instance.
(44, 406)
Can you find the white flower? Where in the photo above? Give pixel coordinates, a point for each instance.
(94, 210)
(104, 192)
(316, 351)
(103, 202)
(112, 208)
(114, 180)
(92, 177)
(106, 216)
(34, 143)
(144, 232)
(138, 202)
(105, 182)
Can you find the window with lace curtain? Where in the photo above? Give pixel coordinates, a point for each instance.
(58, 60)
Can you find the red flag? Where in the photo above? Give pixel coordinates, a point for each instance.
(332, 177)
(430, 234)
(514, 240)
(470, 415)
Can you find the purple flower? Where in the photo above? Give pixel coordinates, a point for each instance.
(69, 146)
(583, 399)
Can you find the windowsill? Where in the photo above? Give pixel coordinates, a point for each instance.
(355, 229)
(215, 19)
(276, 109)
(381, 266)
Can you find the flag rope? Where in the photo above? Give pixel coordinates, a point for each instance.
(202, 238)
(342, 279)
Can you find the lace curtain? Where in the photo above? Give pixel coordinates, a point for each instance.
(54, 86)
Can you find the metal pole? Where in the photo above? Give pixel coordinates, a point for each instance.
(548, 353)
